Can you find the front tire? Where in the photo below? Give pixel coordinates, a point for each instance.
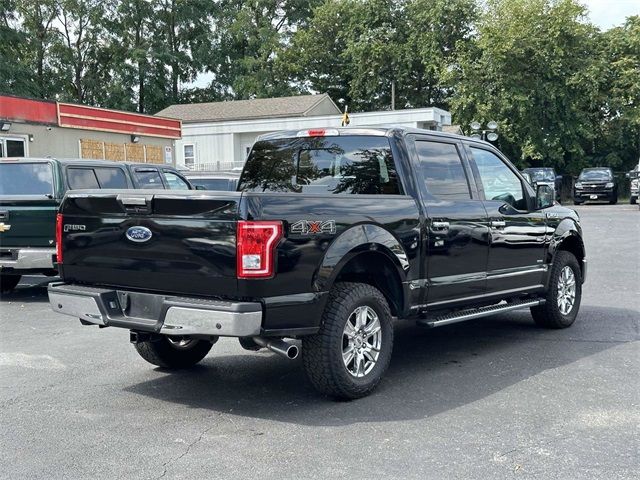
(8, 282)
(633, 200)
(564, 293)
(347, 358)
(173, 352)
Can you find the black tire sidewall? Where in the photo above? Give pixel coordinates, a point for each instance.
(381, 365)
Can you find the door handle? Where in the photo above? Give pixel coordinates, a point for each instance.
(498, 224)
(440, 225)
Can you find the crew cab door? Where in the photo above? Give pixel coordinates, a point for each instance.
(457, 226)
(516, 253)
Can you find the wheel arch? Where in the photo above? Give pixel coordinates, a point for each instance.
(568, 237)
(369, 254)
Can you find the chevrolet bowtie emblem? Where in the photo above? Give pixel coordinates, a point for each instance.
(4, 227)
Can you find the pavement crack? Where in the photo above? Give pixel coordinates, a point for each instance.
(165, 465)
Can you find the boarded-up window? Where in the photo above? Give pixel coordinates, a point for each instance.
(154, 154)
(93, 149)
(114, 151)
(135, 152)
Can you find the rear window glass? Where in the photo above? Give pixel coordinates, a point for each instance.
(111, 177)
(82, 178)
(26, 179)
(326, 165)
(149, 179)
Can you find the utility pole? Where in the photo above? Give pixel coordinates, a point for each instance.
(393, 94)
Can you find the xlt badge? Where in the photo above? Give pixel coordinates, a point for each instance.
(4, 227)
(303, 227)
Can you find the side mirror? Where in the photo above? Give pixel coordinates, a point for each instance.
(544, 196)
(200, 187)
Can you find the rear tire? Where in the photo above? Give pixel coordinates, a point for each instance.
(8, 282)
(174, 352)
(348, 361)
(556, 311)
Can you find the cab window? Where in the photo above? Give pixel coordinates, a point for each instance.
(80, 178)
(174, 182)
(441, 169)
(498, 180)
(110, 177)
(149, 178)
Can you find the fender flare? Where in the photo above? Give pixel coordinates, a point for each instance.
(567, 230)
(357, 240)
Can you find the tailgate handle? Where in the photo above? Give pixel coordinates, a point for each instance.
(134, 201)
(135, 204)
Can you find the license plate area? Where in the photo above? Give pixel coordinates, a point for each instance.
(141, 305)
(593, 197)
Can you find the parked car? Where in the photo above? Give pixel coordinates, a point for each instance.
(31, 190)
(331, 234)
(546, 175)
(597, 183)
(222, 181)
(634, 180)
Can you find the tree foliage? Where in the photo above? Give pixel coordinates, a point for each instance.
(563, 92)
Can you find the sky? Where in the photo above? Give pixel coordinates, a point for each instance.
(610, 13)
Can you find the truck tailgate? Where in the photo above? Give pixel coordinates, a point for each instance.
(156, 240)
(28, 222)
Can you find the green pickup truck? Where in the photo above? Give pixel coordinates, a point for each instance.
(31, 190)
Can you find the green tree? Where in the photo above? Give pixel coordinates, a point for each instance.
(526, 71)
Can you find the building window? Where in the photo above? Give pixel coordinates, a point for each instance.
(13, 147)
(189, 155)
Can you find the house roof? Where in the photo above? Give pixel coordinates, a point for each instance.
(298, 106)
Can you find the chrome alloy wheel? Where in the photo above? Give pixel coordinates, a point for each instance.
(181, 343)
(566, 290)
(361, 341)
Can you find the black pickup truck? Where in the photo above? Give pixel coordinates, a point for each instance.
(332, 235)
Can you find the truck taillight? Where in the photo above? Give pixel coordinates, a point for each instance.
(255, 250)
(59, 221)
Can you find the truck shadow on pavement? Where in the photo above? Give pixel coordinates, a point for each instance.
(33, 290)
(431, 371)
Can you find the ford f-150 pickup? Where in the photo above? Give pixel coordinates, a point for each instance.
(331, 236)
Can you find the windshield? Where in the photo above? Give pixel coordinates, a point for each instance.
(26, 179)
(541, 174)
(595, 175)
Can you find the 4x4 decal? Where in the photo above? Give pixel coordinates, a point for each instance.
(304, 227)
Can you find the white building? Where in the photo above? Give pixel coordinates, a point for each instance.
(219, 135)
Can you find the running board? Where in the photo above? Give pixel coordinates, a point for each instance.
(478, 313)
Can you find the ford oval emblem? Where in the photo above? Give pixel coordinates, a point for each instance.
(139, 234)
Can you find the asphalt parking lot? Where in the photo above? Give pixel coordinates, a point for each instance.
(492, 398)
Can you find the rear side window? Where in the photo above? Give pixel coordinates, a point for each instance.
(149, 179)
(223, 184)
(325, 165)
(79, 178)
(111, 177)
(441, 169)
(26, 179)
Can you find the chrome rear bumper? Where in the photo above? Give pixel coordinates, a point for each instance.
(28, 258)
(163, 314)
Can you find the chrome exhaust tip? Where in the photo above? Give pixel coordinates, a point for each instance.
(279, 346)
